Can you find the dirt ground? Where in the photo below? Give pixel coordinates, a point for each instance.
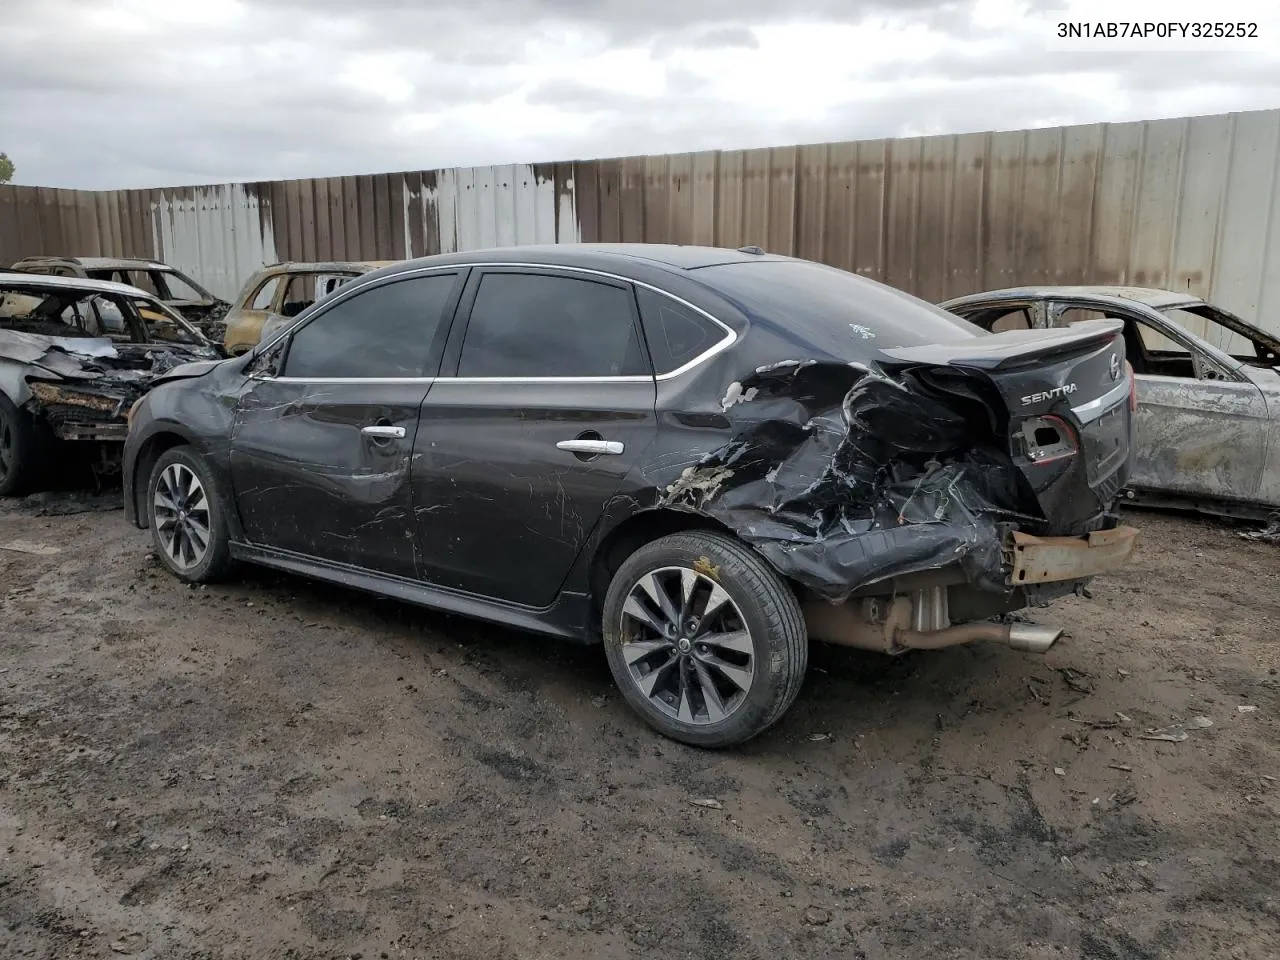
(278, 769)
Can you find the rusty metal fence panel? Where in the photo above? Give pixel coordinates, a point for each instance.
(1191, 204)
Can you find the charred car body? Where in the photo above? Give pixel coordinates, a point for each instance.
(279, 292)
(1208, 389)
(168, 285)
(700, 456)
(75, 355)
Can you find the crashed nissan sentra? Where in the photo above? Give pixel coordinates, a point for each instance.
(75, 354)
(700, 457)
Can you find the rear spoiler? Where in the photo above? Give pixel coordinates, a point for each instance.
(1013, 348)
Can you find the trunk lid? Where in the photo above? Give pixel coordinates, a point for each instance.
(1066, 421)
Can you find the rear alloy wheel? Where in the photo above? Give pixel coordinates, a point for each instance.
(19, 449)
(185, 518)
(705, 640)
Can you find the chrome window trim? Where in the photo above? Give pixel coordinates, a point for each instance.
(354, 286)
(341, 380)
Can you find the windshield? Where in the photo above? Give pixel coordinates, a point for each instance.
(833, 307)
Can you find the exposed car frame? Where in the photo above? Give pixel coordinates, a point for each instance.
(246, 319)
(1206, 417)
(62, 382)
(206, 310)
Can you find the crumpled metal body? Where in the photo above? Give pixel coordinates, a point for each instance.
(843, 476)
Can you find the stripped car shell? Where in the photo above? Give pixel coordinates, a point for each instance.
(1207, 390)
(167, 284)
(864, 444)
(276, 294)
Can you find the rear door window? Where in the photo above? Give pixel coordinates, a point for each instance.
(388, 331)
(530, 325)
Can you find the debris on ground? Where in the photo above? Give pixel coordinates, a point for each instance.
(817, 917)
(1176, 733)
(1077, 680)
(708, 803)
(1268, 534)
(34, 549)
(1246, 708)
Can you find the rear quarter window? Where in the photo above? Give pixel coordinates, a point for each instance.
(676, 334)
(833, 309)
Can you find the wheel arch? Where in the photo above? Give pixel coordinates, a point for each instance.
(628, 536)
(165, 437)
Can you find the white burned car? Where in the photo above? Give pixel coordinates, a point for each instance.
(75, 354)
(1208, 389)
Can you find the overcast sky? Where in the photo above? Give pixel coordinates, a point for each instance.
(133, 93)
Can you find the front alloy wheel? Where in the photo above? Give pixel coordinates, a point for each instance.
(180, 510)
(187, 528)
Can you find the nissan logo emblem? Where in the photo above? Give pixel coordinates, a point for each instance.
(1114, 366)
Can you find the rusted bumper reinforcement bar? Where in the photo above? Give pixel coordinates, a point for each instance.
(921, 620)
(1051, 559)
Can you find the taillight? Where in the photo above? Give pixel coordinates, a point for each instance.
(1047, 438)
(1133, 387)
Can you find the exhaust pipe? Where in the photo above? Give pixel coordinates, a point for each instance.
(895, 625)
(1030, 638)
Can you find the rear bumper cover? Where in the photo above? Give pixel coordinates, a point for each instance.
(1035, 560)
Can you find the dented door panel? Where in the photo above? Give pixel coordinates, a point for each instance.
(310, 478)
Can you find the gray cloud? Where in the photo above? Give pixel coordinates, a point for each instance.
(726, 37)
(278, 95)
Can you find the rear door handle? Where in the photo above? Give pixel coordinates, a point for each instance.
(595, 447)
(383, 432)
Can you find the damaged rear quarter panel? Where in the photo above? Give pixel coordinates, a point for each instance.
(845, 466)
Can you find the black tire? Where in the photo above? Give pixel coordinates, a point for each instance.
(22, 451)
(215, 561)
(765, 606)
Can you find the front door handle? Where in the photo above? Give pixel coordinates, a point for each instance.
(593, 447)
(383, 432)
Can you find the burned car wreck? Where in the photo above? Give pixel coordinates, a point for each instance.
(701, 457)
(75, 355)
(170, 286)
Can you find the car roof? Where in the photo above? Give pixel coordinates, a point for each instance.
(299, 266)
(604, 256)
(103, 263)
(1148, 296)
(84, 284)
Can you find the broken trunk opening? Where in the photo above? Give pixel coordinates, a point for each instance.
(845, 475)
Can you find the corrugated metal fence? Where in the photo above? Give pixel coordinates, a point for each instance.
(1191, 204)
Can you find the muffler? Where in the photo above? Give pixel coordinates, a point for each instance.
(917, 622)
